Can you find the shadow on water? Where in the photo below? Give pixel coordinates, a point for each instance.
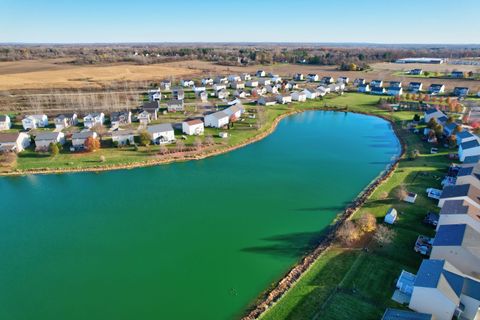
(335, 209)
(289, 245)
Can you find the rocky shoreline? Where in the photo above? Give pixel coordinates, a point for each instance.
(271, 297)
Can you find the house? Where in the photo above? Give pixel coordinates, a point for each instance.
(459, 212)
(218, 87)
(220, 80)
(468, 174)
(216, 120)
(464, 136)
(165, 85)
(44, 139)
(252, 83)
(391, 216)
(259, 91)
(359, 81)
(376, 83)
(123, 137)
(203, 96)
(222, 94)
(5, 122)
(466, 192)
(457, 74)
(237, 85)
(469, 148)
(459, 244)
(175, 105)
(271, 89)
(246, 77)
(415, 87)
(79, 138)
(460, 91)
(35, 121)
(416, 72)
(363, 88)
(121, 118)
(344, 80)
(377, 90)
(313, 77)
(292, 85)
(284, 99)
(322, 91)
(178, 94)
(187, 83)
(327, 80)
(299, 96)
(436, 89)
(298, 77)
(267, 101)
(395, 314)
(471, 160)
(442, 291)
(240, 94)
(310, 94)
(336, 87)
(397, 84)
(265, 82)
(152, 108)
(449, 128)
(261, 73)
(432, 113)
(276, 78)
(93, 119)
(234, 78)
(14, 141)
(234, 111)
(154, 95)
(144, 118)
(63, 121)
(198, 90)
(394, 91)
(207, 81)
(193, 127)
(161, 133)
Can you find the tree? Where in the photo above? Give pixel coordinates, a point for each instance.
(416, 117)
(414, 154)
(383, 235)
(145, 137)
(452, 140)
(431, 123)
(102, 158)
(400, 192)
(348, 233)
(53, 148)
(197, 143)
(209, 140)
(450, 119)
(92, 144)
(438, 130)
(367, 222)
(163, 149)
(179, 145)
(352, 67)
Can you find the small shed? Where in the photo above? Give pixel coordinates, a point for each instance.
(391, 216)
(410, 197)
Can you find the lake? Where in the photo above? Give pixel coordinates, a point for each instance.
(191, 240)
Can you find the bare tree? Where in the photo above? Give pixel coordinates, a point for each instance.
(348, 233)
(179, 145)
(383, 235)
(401, 192)
(209, 140)
(197, 143)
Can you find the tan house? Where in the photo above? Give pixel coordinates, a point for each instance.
(469, 174)
(459, 212)
(467, 192)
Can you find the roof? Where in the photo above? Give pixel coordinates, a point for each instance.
(471, 159)
(470, 144)
(450, 235)
(431, 273)
(471, 288)
(415, 84)
(47, 135)
(462, 190)
(123, 133)
(9, 137)
(395, 314)
(219, 115)
(175, 102)
(163, 127)
(3, 117)
(466, 171)
(150, 105)
(432, 110)
(463, 134)
(193, 122)
(455, 207)
(436, 86)
(83, 134)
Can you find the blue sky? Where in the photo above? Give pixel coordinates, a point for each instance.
(377, 21)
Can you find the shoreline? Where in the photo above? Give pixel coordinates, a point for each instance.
(270, 297)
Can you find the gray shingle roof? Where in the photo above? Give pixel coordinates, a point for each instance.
(163, 127)
(395, 314)
(470, 144)
(461, 190)
(471, 159)
(450, 235)
(82, 134)
(457, 207)
(47, 136)
(430, 273)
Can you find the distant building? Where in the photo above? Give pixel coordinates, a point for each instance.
(14, 141)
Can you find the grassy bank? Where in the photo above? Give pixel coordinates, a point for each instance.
(352, 283)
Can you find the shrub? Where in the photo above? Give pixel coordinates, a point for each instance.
(367, 222)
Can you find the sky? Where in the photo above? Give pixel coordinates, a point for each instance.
(372, 21)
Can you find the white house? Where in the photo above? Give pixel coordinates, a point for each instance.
(276, 78)
(359, 81)
(197, 90)
(222, 94)
(327, 80)
(466, 192)
(35, 121)
(444, 292)
(175, 105)
(394, 91)
(44, 139)
(391, 216)
(187, 83)
(165, 85)
(267, 101)
(123, 137)
(459, 212)
(284, 99)
(344, 80)
(216, 120)
(246, 77)
(265, 82)
(459, 244)
(203, 96)
(218, 87)
(240, 94)
(220, 80)
(298, 77)
(207, 81)
(271, 89)
(234, 78)
(178, 94)
(415, 87)
(79, 138)
(259, 91)
(310, 94)
(162, 133)
(154, 95)
(252, 83)
(93, 119)
(144, 118)
(63, 121)
(363, 88)
(436, 88)
(468, 174)
(261, 73)
(14, 141)
(312, 77)
(464, 136)
(299, 96)
(234, 111)
(120, 118)
(193, 127)
(237, 85)
(376, 83)
(5, 122)
(152, 108)
(432, 113)
(469, 148)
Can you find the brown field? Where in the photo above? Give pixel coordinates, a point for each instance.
(56, 74)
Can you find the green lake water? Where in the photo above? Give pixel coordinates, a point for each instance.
(193, 240)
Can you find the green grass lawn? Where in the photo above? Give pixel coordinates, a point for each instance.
(358, 284)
